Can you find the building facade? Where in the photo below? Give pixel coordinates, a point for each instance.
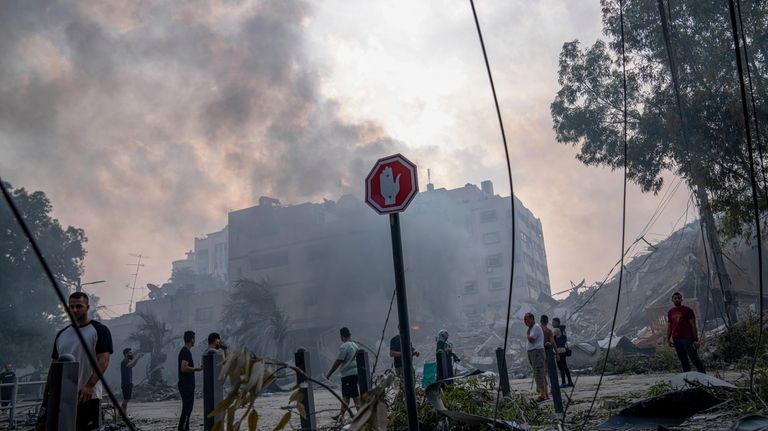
(209, 257)
(330, 264)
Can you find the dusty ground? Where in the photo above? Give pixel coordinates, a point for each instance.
(615, 392)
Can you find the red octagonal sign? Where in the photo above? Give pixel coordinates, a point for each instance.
(391, 185)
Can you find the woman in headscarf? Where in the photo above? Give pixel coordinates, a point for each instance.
(445, 345)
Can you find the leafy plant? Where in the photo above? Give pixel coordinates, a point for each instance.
(740, 340)
(664, 359)
(659, 388)
(474, 395)
(618, 363)
(260, 323)
(248, 375)
(152, 336)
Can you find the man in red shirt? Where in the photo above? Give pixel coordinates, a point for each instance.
(682, 334)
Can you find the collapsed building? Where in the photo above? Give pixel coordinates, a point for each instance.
(679, 263)
(329, 265)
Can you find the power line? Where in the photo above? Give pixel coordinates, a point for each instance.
(511, 199)
(623, 216)
(58, 291)
(752, 182)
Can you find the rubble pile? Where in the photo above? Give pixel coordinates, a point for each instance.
(145, 392)
(677, 263)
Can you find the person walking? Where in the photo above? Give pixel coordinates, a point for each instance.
(682, 333)
(346, 363)
(98, 341)
(561, 341)
(186, 385)
(126, 375)
(535, 348)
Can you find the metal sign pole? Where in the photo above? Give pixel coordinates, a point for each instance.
(304, 363)
(402, 314)
(213, 387)
(363, 372)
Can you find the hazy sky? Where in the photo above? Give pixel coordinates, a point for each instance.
(145, 122)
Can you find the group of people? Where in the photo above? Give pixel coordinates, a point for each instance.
(540, 338)
(681, 334)
(98, 342)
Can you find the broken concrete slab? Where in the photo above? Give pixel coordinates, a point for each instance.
(666, 410)
(694, 378)
(751, 423)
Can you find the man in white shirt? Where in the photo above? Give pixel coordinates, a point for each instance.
(98, 341)
(536, 357)
(346, 360)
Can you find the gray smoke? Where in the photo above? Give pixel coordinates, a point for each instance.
(164, 115)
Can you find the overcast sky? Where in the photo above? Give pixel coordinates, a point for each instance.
(146, 122)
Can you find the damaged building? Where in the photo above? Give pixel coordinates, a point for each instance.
(330, 263)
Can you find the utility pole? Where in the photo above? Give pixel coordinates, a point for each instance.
(138, 266)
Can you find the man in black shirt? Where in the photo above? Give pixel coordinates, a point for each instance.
(126, 375)
(396, 353)
(7, 377)
(187, 372)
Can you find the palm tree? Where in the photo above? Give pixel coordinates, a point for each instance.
(254, 319)
(152, 336)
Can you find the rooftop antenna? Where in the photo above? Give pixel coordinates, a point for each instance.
(138, 266)
(430, 186)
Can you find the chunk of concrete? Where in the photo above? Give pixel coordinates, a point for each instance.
(694, 378)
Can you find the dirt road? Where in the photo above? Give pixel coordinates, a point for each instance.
(615, 392)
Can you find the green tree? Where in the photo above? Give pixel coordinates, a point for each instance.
(152, 336)
(587, 111)
(31, 312)
(255, 320)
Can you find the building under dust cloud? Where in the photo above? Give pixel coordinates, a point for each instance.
(329, 265)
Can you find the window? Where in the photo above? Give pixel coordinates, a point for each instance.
(470, 287)
(491, 238)
(493, 261)
(488, 216)
(495, 284)
(204, 314)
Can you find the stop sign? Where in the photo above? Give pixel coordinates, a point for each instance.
(391, 185)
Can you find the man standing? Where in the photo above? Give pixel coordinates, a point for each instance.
(561, 340)
(126, 375)
(98, 341)
(7, 377)
(187, 370)
(216, 345)
(536, 358)
(346, 361)
(396, 353)
(682, 334)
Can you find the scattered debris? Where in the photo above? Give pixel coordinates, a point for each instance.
(666, 410)
(751, 423)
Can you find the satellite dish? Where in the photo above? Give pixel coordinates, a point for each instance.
(154, 291)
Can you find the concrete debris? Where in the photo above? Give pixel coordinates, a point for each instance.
(693, 379)
(147, 393)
